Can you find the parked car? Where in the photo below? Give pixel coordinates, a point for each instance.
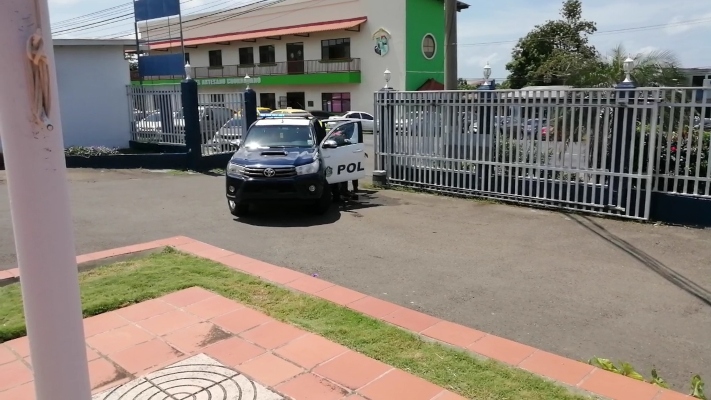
(231, 130)
(321, 115)
(364, 118)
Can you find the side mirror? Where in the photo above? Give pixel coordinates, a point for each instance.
(329, 144)
(236, 143)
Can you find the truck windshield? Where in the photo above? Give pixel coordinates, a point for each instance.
(266, 136)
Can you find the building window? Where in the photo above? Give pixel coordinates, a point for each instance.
(246, 56)
(217, 99)
(335, 49)
(336, 102)
(215, 57)
(267, 100)
(187, 58)
(429, 46)
(697, 81)
(266, 54)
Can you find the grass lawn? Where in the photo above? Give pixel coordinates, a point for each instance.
(119, 285)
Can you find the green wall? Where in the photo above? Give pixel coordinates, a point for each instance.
(273, 80)
(423, 17)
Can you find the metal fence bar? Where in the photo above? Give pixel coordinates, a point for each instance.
(221, 121)
(596, 155)
(156, 115)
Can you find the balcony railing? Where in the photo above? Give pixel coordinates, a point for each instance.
(279, 68)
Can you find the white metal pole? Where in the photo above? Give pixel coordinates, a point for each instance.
(31, 132)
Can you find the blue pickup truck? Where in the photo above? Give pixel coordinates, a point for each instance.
(292, 159)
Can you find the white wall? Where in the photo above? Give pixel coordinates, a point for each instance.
(92, 94)
(389, 15)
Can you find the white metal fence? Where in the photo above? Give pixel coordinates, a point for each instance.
(157, 117)
(221, 121)
(682, 152)
(588, 150)
(154, 114)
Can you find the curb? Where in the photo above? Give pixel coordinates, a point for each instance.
(563, 370)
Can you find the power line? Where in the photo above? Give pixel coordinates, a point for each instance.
(129, 17)
(219, 19)
(103, 21)
(104, 12)
(202, 7)
(607, 32)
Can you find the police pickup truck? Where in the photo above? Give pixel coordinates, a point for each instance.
(292, 159)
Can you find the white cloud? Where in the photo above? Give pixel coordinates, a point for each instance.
(679, 24)
(676, 26)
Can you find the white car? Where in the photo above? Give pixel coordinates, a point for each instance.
(366, 120)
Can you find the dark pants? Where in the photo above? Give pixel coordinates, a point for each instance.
(339, 190)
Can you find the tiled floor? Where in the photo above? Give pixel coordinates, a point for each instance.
(196, 378)
(209, 337)
(137, 340)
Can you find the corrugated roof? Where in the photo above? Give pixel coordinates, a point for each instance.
(262, 33)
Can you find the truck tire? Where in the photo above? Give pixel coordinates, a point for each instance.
(238, 209)
(323, 204)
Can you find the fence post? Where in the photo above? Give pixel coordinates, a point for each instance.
(486, 97)
(250, 107)
(191, 113)
(625, 96)
(386, 134)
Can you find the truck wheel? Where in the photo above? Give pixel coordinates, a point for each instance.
(238, 209)
(323, 204)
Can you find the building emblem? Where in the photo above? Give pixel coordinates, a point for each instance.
(382, 42)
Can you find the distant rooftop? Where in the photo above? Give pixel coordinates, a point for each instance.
(94, 42)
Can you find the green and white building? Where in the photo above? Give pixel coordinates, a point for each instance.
(312, 54)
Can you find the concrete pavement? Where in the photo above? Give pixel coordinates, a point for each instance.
(573, 285)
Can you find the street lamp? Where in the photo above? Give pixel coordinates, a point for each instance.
(247, 80)
(487, 73)
(187, 72)
(628, 66)
(387, 75)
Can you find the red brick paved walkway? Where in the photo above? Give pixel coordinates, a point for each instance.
(156, 333)
(128, 343)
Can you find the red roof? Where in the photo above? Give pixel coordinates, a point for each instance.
(431, 84)
(262, 33)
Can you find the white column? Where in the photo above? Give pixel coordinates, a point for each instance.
(39, 201)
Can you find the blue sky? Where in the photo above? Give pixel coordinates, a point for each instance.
(489, 29)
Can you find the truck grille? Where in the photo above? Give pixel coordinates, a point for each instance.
(254, 172)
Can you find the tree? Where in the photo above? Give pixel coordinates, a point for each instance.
(462, 84)
(553, 40)
(655, 68)
(132, 61)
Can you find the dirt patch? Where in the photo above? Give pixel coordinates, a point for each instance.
(215, 335)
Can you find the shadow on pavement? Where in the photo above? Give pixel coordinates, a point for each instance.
(280, 216)
(650, 262)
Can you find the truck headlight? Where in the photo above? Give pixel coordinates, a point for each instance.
(308, 168)
(235, 169)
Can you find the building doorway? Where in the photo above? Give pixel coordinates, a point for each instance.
(296, 100)
(295, 58)
(267, 100)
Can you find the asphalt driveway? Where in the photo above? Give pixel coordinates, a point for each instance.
(570, 284)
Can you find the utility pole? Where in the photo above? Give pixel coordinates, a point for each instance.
(450, 45)
(31, 133)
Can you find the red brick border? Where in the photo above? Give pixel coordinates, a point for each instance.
(566, 371)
